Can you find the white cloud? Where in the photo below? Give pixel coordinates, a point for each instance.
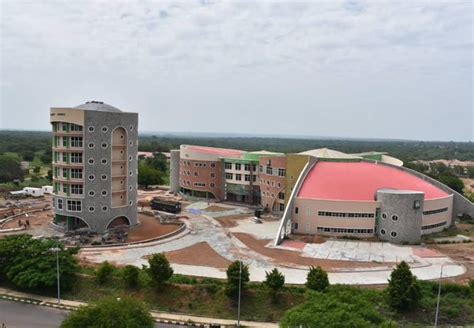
(142, 45)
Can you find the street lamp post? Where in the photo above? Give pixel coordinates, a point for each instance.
(439, 296)
(57, 250)
(240, 284)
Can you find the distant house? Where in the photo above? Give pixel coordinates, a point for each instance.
(35, 192)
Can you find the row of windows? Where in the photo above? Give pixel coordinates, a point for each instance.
(270, 182)
(346, 215)
(104, 161)
(197, 184)
(67, 157)
(238, 177)
(188, 173)
(63, 126)
(344, 230)
(439, 210)
(281, 195)
(271, 170)
(76, 205)
(432, 226)
(67, 173)
(105, 129)
(75, 142)
(239, 166)
(198, 164)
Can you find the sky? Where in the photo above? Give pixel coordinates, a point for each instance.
(375, 69)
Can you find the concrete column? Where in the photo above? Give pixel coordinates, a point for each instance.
(174, 170)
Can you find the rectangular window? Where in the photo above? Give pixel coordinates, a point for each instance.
(296, 210)
(282, 207)
(238, 177)
(238, 166)
(260, 168)
(269, 170)
(229, 176)
(64, 155)
(281, 195)
(254, 178)
(76, 173)
(75, 127)
(64, 173)
(199, 184)
(254, 167)
(247, 167)
(228, 166)
(76, 142)
(64, 141)
(76, 157)
(282, 172)
(247, 177)
(213, 175)
(74, 206)
(76, 189)
(60, 204)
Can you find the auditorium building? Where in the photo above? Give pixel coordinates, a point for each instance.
(322, 191)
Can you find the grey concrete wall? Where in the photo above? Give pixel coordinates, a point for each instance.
(401, 204)
(174, 170)
(461, 205)
(99, 219)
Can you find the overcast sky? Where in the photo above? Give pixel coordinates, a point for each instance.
(378, 69)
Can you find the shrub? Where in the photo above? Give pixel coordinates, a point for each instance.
(110, 312)
(130, 276)
(339, 308)
(160, 270)
(317, 279)
(104, 272)
(237, 274)
(274, 281)
(403, 288)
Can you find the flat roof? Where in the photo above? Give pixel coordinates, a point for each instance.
(216, 151)
(359, 181)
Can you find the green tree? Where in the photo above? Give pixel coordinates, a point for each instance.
(10, 168)
(130, 276)
(104, 272)
(342, 308)
(157, 162)
(452, 181)
(28, 155)
(47, 156)
(317, 279)
(470, 172)
(29, 263)
(403, 289)
(148, 176)
(235, 276)
(160, 270)
(110, 313)
(274, 280)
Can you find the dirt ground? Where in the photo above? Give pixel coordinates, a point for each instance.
(462, 253)
(215, 208)
(231, 220)
(37, 220)
(284, 257)
(198, 254)
(469, 184)
(149, 227)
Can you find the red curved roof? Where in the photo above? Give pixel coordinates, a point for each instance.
(359, 181)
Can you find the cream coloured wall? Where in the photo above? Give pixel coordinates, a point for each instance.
(70, 115)
(308, 219)
(434, 204)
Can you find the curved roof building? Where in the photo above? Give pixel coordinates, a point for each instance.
(323, 191)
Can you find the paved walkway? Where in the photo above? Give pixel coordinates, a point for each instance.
(207, 229)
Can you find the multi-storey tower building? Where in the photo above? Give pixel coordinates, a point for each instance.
(94, 166)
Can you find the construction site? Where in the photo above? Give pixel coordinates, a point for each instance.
(205, 237)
